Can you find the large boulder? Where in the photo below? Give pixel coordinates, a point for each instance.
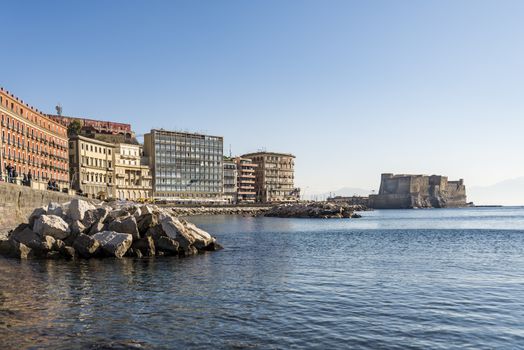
(127, 225)
(36, 214)
(145, 221)
(94, 216)
(114, 243)
(54, 208)
(168, 245)
(98, 227)
(86, 246)
(201, 238)
(174, 229)
(51, 225)
(24, 236)
(14, 249)
(145, 245)
(77, 227)
(78, 208)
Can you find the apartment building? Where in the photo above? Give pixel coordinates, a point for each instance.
(132, 175)
(91, 167)
(246, 191)
(31, 142)
(186, 167)
(274, 176)
(95, 126)
(230, 180)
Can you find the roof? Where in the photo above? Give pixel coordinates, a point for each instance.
(250, 155)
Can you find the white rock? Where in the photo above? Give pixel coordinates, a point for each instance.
(36, 214)
(51, 225)
(114, 243)
(77, 209)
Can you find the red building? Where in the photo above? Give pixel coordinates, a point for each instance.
(31, 142)
(98, 126)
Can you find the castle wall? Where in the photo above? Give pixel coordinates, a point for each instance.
(418, 191)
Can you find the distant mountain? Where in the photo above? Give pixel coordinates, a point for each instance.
(507, 192)
(345, 192)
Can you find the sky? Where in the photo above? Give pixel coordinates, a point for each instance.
(352, 88)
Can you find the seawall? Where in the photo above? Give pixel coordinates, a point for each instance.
(18, 202)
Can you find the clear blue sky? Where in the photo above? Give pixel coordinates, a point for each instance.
(351, 88)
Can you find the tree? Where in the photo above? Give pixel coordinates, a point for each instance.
(74, 128)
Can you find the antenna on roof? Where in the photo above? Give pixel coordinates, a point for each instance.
(59, 109)
(230, 155)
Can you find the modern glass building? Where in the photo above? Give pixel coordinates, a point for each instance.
(186, 167)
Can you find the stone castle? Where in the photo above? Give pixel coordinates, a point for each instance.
(418, 191)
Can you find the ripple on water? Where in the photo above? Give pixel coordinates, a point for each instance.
(380, 283)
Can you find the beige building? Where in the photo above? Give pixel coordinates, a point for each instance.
(230, 180)
(132, 175)
(274, 176)
(246, 191)
(91, 167)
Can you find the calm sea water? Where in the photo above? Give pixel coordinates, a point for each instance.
(419, 279)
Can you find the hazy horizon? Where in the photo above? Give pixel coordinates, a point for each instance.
(353, 89)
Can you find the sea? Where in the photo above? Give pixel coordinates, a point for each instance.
(393, 279)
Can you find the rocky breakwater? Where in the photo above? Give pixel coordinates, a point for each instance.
(322, 210)
(246, 211)
(79, 229)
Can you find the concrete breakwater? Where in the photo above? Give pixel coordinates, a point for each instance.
(81, 229)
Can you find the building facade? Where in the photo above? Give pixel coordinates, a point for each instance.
(97, 126)
(91, 167)
(246, 191)
(230, 180)
(32, 143)
(274, 177)
(132, 176)
(186, 167)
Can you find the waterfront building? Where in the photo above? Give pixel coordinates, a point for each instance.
(91, 167)
(230, 180)
(246, 192)
(132, 175)
(32, 143)
(93, 126)
(186, 167)
(274, 176)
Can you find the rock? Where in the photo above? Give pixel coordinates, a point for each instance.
(68, 252)
(201, 238)
(127, 225)
(14, 249)
(77, 227)
(77, 209)
(86, 246)
(175, 230)
(98, 227)
(25, 236)
(59, 245)
(48, 243)
(54, 208)
(51, 225)
(213, 247)
(145, 221)
(167, 244)
(36, 214)
(145, 245)
(114, 243)
(93, 216)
